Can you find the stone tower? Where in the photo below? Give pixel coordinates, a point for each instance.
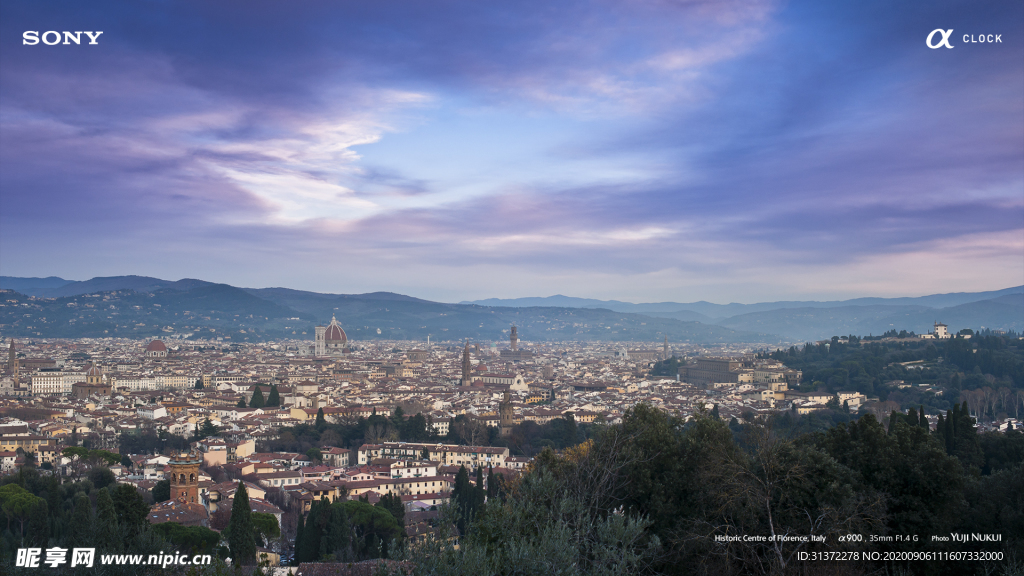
(185, 477)
(12, 362)
(467, 367)
(514, 338)
(506, 415)
(664, 352)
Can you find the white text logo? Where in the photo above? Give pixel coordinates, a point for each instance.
(945, 38)
(52, 37)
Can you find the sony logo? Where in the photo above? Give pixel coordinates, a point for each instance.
(52, 37)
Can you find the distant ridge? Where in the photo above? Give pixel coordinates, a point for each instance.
(281, 312)
(716, 311)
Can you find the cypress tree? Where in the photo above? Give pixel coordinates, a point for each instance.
(924, 420)
(492, 487)
(242, 541)
(299, 540)
(912, 418)
(462, 493)
(81, 520)
(480, 477)
(257, 399)
(948, 432)
(38, 532)
(106, 520)
(894, 416)
(274, 399)
(337, 539)
(241, 403)
(714, 412)
(320, 421)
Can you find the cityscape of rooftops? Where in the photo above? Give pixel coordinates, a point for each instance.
(463, 288)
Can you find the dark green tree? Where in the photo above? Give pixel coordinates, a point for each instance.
(81, 520)
(315, 455)
(320, 420)
(257, 400)
(188, 539)
(265, 527)
(199, 384)
(241, 403)
(242, 541)
(714, 412)
(162, 491)
(274, 398)
(300, 539)
(492, 484)
(38, 531)
(132, 510)
(464, 499)
(101, 477)
(393, 504)
(208, 429)
(106, 521)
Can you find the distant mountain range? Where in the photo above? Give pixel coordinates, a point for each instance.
(143, 304)
(810, 320)
(138, 306)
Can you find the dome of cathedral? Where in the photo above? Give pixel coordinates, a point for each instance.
(334, 332)
(94, 371)
(156, 346)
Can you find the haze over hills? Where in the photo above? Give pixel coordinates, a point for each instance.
(812, 320)
(715, 311)
(281, 312)
(135, 306)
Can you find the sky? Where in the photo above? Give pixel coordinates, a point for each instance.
(640, 150)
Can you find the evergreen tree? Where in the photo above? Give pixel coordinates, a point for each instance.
(81, 520)
(106, 520)
(300, 539)
(924, 419)
(492, 486)
(257, 399)
(38, 532)
(242, 541)
(337, 539)
(208, 429)
(320, 421)
(947, 432)
(199, 383)
(714, 412)
(132, 510)
(462, 493)
(105, 513)
(161, 491)
(912, 418)
(241, 403)
(274, 399)
(393, 504)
